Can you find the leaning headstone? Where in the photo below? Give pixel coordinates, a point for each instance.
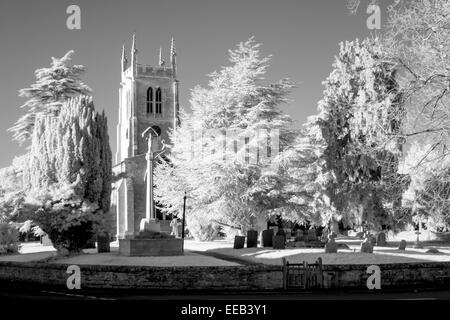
(267, 238)
(381, 240)
(402, 245)
(343, 246)
(239, 242)
(279, 242)
(331, 246)
(367, 245)
(252, 239)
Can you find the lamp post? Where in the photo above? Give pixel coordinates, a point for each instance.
(184, 218)
(417, 245)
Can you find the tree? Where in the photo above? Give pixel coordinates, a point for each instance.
(53, 87)
(355, 134)
(12, 193)
(429, 192)
(417, 40)
(69, 174)
(217, 152)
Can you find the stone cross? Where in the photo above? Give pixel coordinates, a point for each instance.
(418, 245)
(149, 223)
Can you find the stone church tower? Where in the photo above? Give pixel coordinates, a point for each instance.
(148, 96)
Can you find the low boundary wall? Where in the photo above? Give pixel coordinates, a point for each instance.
(235, 278)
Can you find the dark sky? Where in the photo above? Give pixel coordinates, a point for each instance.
(301, 35)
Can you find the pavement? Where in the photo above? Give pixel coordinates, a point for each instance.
(42, 292)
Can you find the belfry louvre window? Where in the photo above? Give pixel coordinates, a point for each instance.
(158, 104)
(150, 100)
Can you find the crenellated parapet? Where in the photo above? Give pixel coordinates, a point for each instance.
(152, 71)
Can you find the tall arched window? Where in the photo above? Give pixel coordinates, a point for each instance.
(158, 104)
(150, 100)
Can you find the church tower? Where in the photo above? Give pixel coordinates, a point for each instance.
(148, 97)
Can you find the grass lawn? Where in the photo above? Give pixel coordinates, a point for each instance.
(221, 253)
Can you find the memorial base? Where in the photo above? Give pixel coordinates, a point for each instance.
(150, 247)
(150, 225)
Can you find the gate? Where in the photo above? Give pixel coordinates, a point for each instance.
(302, 275)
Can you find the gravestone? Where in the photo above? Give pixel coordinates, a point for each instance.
(103, 244)
(299, 235)
(402, 245)
(381, 240)
(367, 245)
(279, 242)
(331, 246)
(45, 240)
(267, 238)
(239, 242)
(281, 232)
(312, 235)
(288, 233)
(252, 239)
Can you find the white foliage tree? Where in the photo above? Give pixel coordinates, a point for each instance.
(225, 184)
(12, 193)
(417, 39)
(54, 85)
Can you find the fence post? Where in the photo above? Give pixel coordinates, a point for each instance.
(284, 274)
(320, 271)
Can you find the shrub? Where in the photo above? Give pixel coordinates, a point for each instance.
(202, 230)
(9, 239)
(70, 221)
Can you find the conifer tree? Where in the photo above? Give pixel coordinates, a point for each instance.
(239, 193)
(54, 85)
(357, 136)
(69, 173)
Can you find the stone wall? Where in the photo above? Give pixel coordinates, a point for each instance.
(392, 275)
(248, 277)
(169, 278)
